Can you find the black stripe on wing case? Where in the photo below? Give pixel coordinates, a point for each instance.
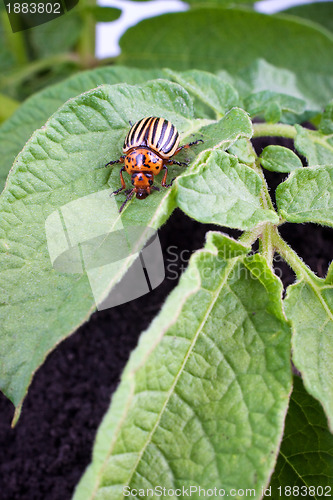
(160, 142)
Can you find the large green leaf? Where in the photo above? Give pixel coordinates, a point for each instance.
(306, 454)
(309, 307)
(220, 190)
(307, 196)
(230, 39)
(37, 109)
(61, 163)
(319, 12)
(203, 398)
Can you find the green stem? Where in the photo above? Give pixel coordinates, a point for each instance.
(274, 130)
(86, 44)
(268, 249)
(250, 237)
(290, 256)
(265, 197)
(263, 231)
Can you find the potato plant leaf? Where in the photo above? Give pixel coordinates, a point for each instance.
(319, 12)
(220, 190)
(306, 455)
(309, 307)
(307, 196)
(279, 159)
(246, 35)
(273, 112)
(102, 14)
(203, 398)
(243, 150)
(316, 147)
(63, 162)
(260, 76)
(260, 103)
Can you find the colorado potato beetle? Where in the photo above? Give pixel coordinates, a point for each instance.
(148, 148)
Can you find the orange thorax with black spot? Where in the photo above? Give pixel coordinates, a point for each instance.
(143, 159)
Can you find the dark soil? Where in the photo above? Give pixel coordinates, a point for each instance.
(47, 452)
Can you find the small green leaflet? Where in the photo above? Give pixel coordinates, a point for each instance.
(316, 147)
(279, 159)
(203, 398)
(307, 196)
(223, 191)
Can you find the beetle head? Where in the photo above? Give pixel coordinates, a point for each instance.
(142, 181)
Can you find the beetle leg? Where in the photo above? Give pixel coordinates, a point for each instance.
(186, 146)
(155, 188)
(112, 162)
(180, 163)
(128, 197)
(123, 185)
(163, 183)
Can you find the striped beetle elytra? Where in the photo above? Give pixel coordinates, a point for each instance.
(148, 148)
